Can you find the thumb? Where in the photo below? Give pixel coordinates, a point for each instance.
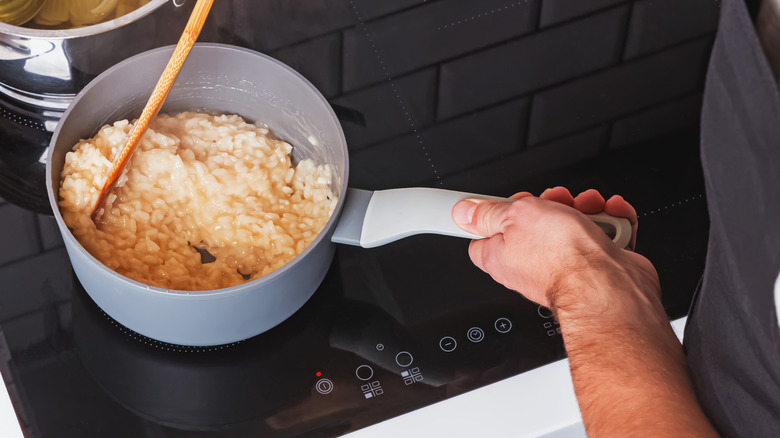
(480, 216)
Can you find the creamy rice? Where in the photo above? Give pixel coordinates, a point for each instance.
(195, 181)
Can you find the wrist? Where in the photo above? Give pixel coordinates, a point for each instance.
(608, 289)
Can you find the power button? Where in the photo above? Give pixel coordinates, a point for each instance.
(324, 386)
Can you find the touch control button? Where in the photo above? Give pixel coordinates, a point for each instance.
(544, 312)
(475, 334)
(364, 372)
(404, 359)
(324, 386)
(503, 325)
(448, 344)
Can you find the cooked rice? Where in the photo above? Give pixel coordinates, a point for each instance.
(196, 181)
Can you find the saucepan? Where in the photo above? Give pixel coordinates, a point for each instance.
(228, 79)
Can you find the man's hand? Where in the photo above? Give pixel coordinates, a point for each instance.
(627, 365)
(546, 247)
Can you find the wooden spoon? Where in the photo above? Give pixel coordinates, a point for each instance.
(160, 92)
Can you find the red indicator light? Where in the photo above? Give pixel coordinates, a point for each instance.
(319, 374)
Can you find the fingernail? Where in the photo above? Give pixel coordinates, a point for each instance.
(463, 212)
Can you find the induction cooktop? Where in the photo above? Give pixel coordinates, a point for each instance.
(491, 97)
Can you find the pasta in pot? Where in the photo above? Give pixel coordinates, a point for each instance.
(65, 14)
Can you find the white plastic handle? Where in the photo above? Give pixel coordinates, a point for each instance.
(398, 213)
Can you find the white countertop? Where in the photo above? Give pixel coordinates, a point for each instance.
(9, 424)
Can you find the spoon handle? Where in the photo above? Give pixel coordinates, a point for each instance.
(160, 92)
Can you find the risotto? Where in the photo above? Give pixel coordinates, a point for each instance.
(207, 201)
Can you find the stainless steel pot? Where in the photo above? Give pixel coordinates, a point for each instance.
(227, 79)
(46, 68)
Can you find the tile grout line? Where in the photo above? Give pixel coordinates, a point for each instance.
(391, 82)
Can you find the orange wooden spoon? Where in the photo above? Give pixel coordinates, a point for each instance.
(160, 92)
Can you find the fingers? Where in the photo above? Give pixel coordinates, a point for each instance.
(617, 206)
(589, 202)
(520, 195)
(486, 218)
(476, 252)
(558, 194)
(481, 217)
(485, 255)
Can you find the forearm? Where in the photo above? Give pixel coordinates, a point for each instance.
(628, 368)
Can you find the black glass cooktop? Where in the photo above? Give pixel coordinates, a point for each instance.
(390, 330)
(483, 96)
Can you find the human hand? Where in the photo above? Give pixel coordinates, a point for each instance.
(591, 202)
(549, 251)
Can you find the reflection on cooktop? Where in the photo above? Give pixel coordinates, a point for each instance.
(25, 134)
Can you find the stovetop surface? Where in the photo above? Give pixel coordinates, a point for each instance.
(489, 97)
(73, 371)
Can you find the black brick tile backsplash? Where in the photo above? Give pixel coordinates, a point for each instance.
(377, 168)
(317, 60)
(478, 137)
(429, 34)
(368, 9)
(407, 104)
(530, 63)
(445, 148)
(513, 169)
(664, 119)
(555, 11)
(273, 24)
(656, 24)
(620, 90)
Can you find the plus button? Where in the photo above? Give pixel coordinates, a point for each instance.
(503, 325)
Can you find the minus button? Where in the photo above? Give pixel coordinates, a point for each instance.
(448, 344)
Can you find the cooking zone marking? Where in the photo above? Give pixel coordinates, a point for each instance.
(364, 372)
(673, 205)
(386, 72)
(484, 14)
(164, 345)
(20, 119)
(404, 359)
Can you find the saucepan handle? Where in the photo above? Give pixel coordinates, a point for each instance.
(372, 219)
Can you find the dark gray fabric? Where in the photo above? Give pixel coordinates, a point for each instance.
(732, 337)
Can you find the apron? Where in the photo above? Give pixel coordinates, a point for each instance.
(732, 337)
